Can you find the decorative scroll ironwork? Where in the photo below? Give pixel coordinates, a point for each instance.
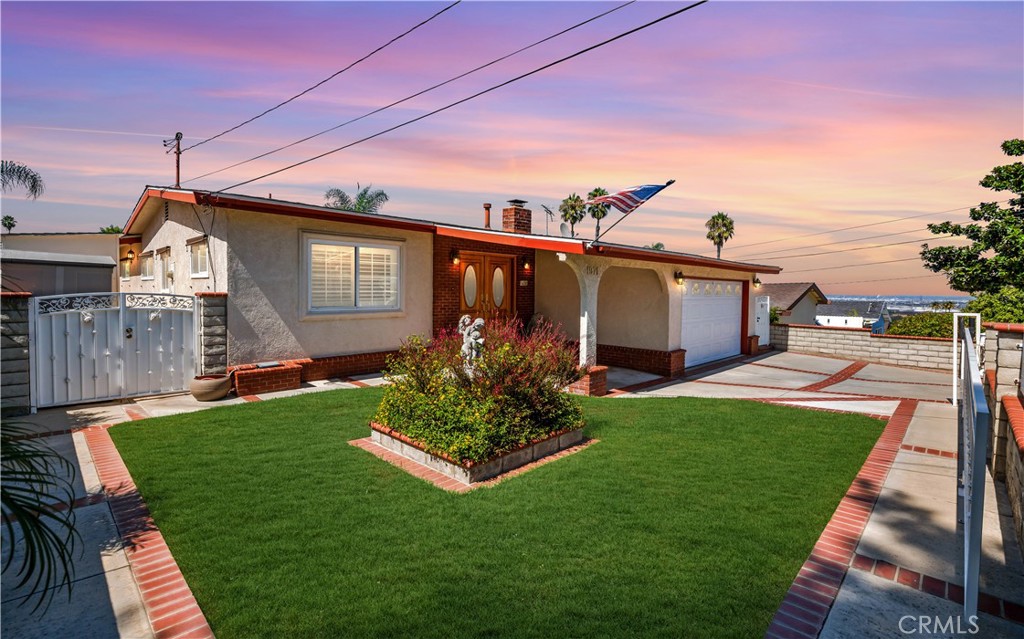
(62, 303)
(156, 300)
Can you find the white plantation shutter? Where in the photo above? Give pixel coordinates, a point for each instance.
(346, 276)
(378, 277)
(332, 276)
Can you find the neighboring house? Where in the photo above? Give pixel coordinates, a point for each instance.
(336, 291)
(871, 314)
(797, 301)
(59, 263)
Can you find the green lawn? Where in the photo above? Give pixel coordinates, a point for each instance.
(689, 518)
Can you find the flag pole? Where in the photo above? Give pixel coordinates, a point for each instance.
(589, 244)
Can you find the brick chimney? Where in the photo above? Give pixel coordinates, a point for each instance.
(487, 215)
(516, 218)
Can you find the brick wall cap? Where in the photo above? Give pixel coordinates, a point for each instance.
(15, 294)
(210, 294)
(1004, 328)
(1015, 415)
(847, 329)
(927, 339)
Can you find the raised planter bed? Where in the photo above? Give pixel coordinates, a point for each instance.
(473, 472)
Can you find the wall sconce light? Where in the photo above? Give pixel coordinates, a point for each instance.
(130, 254)
(526, 265)
(455, 257)
(757, 282)
(680, 280)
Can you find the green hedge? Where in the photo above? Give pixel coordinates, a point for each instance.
(511, 397)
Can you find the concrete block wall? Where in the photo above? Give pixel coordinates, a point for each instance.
(212, 323)
(14, 360)
(1002, 363)
(1015, 462)
(935, 353)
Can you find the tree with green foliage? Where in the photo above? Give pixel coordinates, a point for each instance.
(1004, 305)
(597, 211)
(994, 258)
(15, 174)
(113, 229)
(366, 200)
(923, 325)
(9, 222)
(720, 230)
(573, 211)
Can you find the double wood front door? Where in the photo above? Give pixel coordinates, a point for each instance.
(486, 285)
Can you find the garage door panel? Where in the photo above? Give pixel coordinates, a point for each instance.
(712, 312)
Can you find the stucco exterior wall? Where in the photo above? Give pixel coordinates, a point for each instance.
(184, 222)
(74, 243)
(56, 279)
(802, 313)
(267, 317)
(632, 309)
(557, 293)
(639, 303)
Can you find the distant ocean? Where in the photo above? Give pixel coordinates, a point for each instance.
(907, 302)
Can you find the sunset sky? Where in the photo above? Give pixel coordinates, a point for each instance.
(796, 118)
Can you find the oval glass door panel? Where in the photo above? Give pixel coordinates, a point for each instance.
(498, 286)
(469, 285)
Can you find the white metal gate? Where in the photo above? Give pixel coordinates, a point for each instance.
(762, 320)
(100, 346)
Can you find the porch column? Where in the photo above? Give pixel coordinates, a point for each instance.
(211, 322)
(588, 272)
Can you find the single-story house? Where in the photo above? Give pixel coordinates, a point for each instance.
(797, 301)
(59, 263)
(336, 291)
(871, 314)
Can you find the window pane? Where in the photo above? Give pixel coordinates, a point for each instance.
(147, 266)
(378, 277)
(332, 276)
(200, 259)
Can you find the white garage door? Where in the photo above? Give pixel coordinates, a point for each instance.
(712, 310)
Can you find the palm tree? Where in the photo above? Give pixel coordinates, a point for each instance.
(113, 229)
(9, 222)
(657, 246)
(13, 174)
(367, 199)
(37, 496)
(720, 230)
(597, 211)
(573, 210)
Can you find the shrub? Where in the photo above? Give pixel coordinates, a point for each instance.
(923, 325)
(1005, 305)
(511, 397)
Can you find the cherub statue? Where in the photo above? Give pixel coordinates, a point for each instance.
(472, 338)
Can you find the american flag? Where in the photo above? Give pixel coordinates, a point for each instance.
(630, 199)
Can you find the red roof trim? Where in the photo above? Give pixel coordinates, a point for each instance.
(521, 241)
(293, 210)
(675, 258)
(173, 195)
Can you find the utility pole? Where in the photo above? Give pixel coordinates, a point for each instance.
(174, 146)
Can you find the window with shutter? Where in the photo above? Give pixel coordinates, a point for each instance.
(352, 276)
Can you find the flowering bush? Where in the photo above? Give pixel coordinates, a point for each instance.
(510, 397)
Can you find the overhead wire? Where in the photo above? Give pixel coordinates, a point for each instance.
(831, 268)
(884, 279)
(861, 248)
(859, 239)
(325, 80)
(415, 95)
(475, 95)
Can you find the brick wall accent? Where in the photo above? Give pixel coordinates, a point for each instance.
(934, 353)
(1014, 451)
(342, 365)
(1002, 361)
(664, 363)
(446, 278)
(212, 324)
(593, 384)
(14, 360)
(516, 219)
(250, 380)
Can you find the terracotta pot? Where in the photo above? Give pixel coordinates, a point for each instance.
(207, 388)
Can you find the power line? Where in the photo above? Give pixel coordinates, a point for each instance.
(859, 226)
(859, 239)
(831, 268)
(325, 80)
(475, 95)
(861, 248)
(887, 279)
(415, 95)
